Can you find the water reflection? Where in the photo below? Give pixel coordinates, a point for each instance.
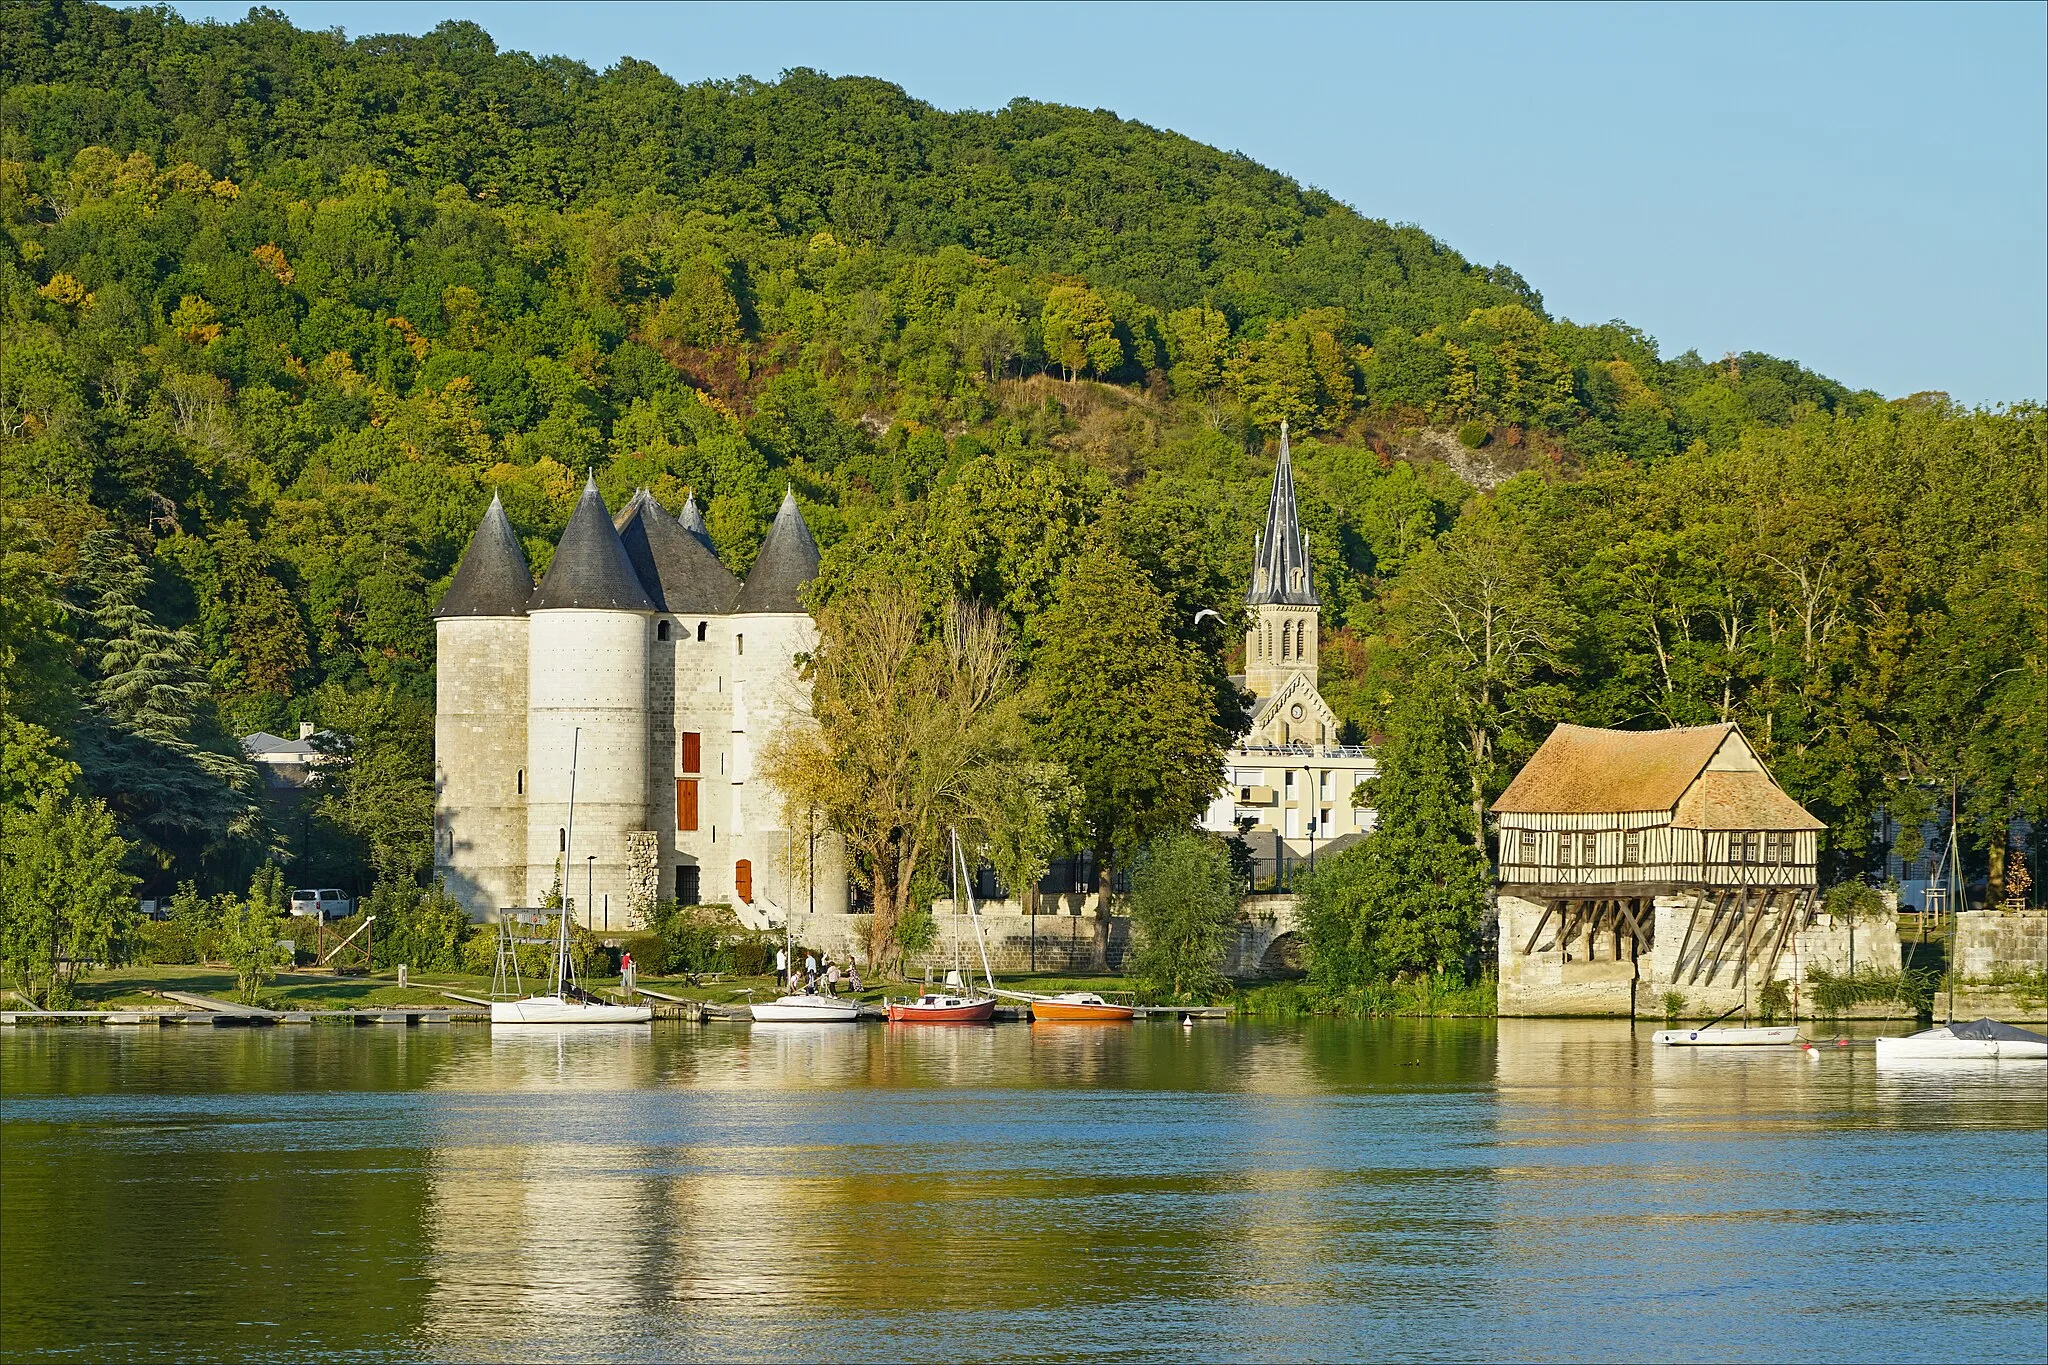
(1534, 1189)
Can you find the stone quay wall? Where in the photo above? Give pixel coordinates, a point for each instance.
(1556, 983)
(1991, 943)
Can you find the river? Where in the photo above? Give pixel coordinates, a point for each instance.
(1411, 1189)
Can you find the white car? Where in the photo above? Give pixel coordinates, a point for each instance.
(328, 902)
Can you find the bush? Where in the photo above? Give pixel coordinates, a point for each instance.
(164, 942)
(1852, 900)
(1832, 995)
(1474, 435)
(1773, 1001)
(1674, 1006)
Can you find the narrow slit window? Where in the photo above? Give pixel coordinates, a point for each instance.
(703, 627)
(661, 631)
(739, 644)
(519, 782)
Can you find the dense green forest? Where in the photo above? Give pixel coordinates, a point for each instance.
(283, 310)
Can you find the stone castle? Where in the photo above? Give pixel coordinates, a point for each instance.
(641, 667)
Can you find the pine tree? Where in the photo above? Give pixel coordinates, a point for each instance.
(148, 744)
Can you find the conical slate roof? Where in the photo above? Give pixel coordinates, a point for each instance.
(492, 579)
(788, 560)
(680, 573)
(590, 568)
(1280, 567)
(692, 520)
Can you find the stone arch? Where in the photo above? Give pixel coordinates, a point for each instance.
(1285, 956)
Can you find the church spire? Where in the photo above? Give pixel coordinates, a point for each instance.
(1280, 567)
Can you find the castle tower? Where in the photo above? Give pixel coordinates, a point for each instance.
(592, 632)
(688, 734)
(480, 632)
(1285, 610)
(769, 629)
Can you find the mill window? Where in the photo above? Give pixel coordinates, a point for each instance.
(1567, 845)
(1528, 842)
(1632, 847)
(1589, 849)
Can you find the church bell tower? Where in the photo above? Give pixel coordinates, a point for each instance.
(1285, 610)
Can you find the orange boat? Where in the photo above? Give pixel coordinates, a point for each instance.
(1079, 1007)
(942, 1009)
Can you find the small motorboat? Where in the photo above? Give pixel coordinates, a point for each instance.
(806, 1009)
(1079, 1007)
(1983, 1040)
(940, 1008)
(1782, 1036)
(557, 1009)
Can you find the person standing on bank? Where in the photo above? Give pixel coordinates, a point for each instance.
(782, 967)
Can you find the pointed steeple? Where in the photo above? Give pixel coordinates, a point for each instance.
(1280, 568)
(590, 569)
(679, 571)
(492, 579)
(692, 521)
(788, 560)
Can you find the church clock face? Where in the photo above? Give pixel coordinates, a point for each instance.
(1295, 711)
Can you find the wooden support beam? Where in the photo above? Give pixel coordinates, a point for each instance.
(1793, 903)
(1735, 921)
(1749, 936)
(1549, 909)
(1628, 908)
(1698, 947)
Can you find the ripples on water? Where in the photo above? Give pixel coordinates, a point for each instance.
(1449, 1190)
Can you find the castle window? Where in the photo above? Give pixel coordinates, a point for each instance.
(661, 631)
(561, 838)
(693, 751)
(519, 782)
(1286, 641)
(702, 628)
(739, 643)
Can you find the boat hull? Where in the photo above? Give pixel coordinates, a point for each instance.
(960, 1012)
(553, 1009)
(1725, 1037)
(805, 1009)
(1922, 1047)
(1068, 1012)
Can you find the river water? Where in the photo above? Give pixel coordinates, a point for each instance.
(1413, 1189)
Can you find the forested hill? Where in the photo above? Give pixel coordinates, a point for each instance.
(282, 311)
(1049, 189)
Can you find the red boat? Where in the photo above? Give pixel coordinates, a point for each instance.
(942, 1009)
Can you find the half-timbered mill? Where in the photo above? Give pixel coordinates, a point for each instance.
(1638, 862)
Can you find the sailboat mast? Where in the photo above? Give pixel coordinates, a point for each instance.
(973, 914)
(568, 847)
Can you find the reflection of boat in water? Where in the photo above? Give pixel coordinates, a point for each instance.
(564, 1003)
(1725, 1037)
(1079, 1007)
(806, 1009)
(1984, 1040)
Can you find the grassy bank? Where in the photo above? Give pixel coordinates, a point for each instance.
(1439, 997)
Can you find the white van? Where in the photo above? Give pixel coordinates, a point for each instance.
(328, 902)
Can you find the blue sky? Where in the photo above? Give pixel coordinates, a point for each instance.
(1863, 189)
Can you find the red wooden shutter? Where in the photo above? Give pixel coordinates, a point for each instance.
(686, 803)
(693, 751)
(743, 880)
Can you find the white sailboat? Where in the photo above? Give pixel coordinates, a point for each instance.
(802, 1007)
(564, 1004)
